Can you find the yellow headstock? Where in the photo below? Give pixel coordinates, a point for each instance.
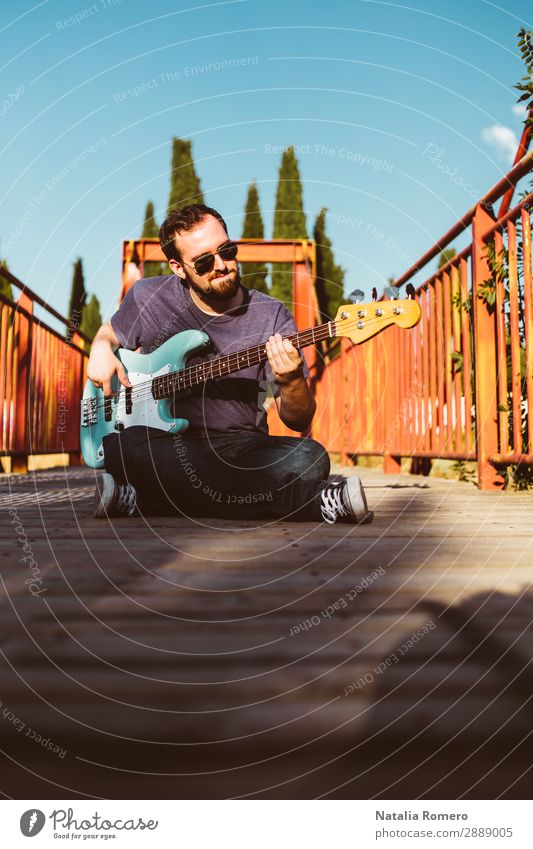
(362, 321)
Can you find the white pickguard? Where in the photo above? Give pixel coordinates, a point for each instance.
(145, 408)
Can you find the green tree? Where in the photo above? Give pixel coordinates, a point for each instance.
(91, 319)
(446, 255)
(254, 274)
(5, 286)
(184, 183)
(525, 86)
(150, 231)
(329, 275)
(78, 295)
(289, 222)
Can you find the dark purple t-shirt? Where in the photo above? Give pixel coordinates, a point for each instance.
(157, 308)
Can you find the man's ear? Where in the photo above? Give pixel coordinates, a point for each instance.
(177, 268)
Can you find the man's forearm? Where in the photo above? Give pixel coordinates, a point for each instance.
(106, 334)
(297, 405)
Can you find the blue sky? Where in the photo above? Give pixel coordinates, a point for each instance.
(402, 115)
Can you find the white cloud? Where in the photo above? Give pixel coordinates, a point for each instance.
(503, 138)
(519, 109)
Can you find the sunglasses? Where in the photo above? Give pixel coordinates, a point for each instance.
(206, 262)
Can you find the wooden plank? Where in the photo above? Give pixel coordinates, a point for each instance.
(161, 635)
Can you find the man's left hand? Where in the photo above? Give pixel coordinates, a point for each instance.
(284, 359)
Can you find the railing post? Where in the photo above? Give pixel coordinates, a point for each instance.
(485, 359)
(304, 309)
(344, 403)
(75, 457)
(19, 457)
(392, 463)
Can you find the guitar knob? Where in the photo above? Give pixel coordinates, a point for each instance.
(374, 293)
(410, 290)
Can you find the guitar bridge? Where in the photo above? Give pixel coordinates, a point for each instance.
(89, 412)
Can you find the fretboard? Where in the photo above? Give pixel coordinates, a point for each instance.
(176, 381)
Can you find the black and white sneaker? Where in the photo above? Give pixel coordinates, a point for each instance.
(345, 502)
(112, 498)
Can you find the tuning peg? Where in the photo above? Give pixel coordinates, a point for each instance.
(374, 293)
(391, 292)
(356, 296)
(410, 290)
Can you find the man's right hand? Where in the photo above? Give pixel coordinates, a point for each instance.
(103, 363)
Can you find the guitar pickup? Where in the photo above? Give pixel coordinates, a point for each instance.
(108, 409)
(89, 412)
(128, 401)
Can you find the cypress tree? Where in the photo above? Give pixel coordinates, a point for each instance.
(289, 222)
(150, 231)
(329, 275)
(184, 183)
(78, 295)
(254, 274)
(91, 319)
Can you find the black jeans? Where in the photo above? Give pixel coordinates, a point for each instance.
(228, 475)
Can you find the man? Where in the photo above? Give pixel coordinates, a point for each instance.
(225, 464)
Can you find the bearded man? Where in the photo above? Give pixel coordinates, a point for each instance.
(225, 464)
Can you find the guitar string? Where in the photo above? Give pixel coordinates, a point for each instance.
(146, 387)
(166, 382)
(144, 390)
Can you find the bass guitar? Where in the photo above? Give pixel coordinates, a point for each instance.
(157, 377)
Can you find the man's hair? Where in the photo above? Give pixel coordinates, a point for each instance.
(181, 220)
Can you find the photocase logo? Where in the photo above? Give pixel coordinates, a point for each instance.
(31, 822)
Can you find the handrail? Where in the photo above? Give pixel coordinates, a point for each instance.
(42, 374)
(523, 146)
(446, 268)
(525, 203)
(37, 299)
(509, 181)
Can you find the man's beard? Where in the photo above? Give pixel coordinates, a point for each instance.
(222, 292)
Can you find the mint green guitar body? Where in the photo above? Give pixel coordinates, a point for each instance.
(138, 407)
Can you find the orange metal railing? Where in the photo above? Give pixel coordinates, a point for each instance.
(406, 393)
(460, 384)
(42, 374)
(511, 238)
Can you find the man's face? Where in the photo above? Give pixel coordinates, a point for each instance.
(222, 282)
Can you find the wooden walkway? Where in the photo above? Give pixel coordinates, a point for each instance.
(194, 659)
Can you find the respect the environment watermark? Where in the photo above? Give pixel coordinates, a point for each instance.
(49, 186)
(188, 71)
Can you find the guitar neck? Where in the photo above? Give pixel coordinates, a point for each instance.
(166, 384)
